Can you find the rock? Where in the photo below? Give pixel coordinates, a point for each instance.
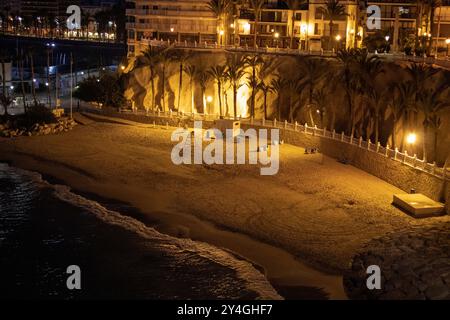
(437, 292)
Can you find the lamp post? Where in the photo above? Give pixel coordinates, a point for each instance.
(387, 43)
(447, 42)
(276, 35)
(338, 39)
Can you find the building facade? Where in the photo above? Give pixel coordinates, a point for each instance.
(277, 25)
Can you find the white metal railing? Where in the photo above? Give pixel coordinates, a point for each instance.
(386, 151)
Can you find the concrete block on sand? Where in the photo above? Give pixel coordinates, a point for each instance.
(418, 205)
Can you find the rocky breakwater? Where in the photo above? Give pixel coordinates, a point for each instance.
(38, 129)
(414, 264)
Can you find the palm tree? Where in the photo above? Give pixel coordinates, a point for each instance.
(150, 58)
(21, 63)
(165, 58)
(191, 71)
(4, 57)
(203, 78)
(235, 72)
(278, 85)
(181, 56)
(312, 71)
(257, 6)
(322, 102)
(219, 74)
(399, 104)
(253, 61)
(266, 89)
(294, 88)
(431, 103)
(347, 76)
(221, 9)
(420, 74)
(294, 5)
(377, 104)
(332, 10)
(49, 51)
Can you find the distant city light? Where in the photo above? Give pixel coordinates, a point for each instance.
(12, 87)
(46, 84)
(387, 38)
(411, 138)
(122, 67)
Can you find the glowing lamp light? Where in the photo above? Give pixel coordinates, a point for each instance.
(447, 41)
(232, 25)
(209, 99)
(411, 138)
(12, 87)
(122, 67)
(247, 27)
(276, 34)
(387, 38)
(221, 32)
(172, 29)
(338, 38)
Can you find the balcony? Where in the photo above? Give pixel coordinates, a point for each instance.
(171, 13)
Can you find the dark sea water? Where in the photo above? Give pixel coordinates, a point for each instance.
(45, 228)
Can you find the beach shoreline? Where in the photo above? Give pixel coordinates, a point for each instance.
(130, 165)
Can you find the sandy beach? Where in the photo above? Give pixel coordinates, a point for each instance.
(302, 226)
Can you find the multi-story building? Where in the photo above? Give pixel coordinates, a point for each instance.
(306, 28)
(184, 20)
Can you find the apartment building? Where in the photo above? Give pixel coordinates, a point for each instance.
(279, 26)
(184, 20)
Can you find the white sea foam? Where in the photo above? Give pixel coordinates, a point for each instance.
(254, 279)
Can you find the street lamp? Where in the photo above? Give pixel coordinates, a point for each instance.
(411, 138)
(387, 43)
(447, 42)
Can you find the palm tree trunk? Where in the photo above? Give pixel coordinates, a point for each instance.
(192, 95)
(33, 88)
(424, 142)
(265, 105)
(153, 87)
(180, 86)
(3, 78)
(219, 90)
(235, 99)
(330, 42)
(435, 144)
(22, 85)
(377, 123)
(279, 106)
(163, 89)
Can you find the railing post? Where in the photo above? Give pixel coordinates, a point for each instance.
(387, 150)
(154, 124)
(360, 142)
(295, 126)
(404, 157)
(351, 139)
(378, 146)
(285, 124)
(395, 153)
(333, 134)
(368, 144)
(415, 160)
(275, 122)
(314, 130)
(342, 136)
(306, 127)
